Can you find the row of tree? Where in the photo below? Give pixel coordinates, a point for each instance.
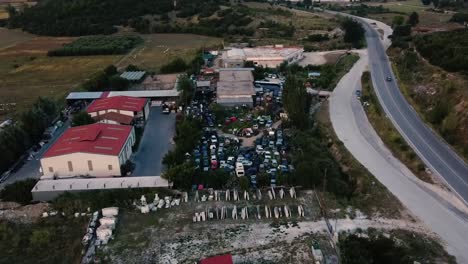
(27, 131)
(85, 17)
(97, 45)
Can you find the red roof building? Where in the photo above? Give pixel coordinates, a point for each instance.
(95, 150)
(114, 118)
(124, 103)
(223, 259)
(97, 138)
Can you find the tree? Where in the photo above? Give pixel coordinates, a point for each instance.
(295, 102)
(398, 21)
(110, 70)
(118, 83)
(354, 32)
(177, 65)
(19, 191)
(185, 87)
(82, 118)
(307, 3)
(413, 19)
(39, 239)
(426, 2)
(180, 175)
(244, 183)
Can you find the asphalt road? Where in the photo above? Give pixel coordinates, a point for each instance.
(155, 143)
(30, 169)
(434, 151)
(353, 128)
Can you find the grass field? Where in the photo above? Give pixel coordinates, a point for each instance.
(159, 49)
(10, 37)
(27, 73)
(426, 17)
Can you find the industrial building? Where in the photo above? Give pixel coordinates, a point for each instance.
(265, 56)
(91, 150)
(124, 110)
(235, 87)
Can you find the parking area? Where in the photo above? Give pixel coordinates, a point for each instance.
(222, 148)
(155, 143)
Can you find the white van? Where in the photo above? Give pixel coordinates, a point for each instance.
(240, 169)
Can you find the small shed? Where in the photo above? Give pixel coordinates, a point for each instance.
(314, 75)
(133, 76)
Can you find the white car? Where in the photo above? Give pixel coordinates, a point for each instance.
(214, 140)
(259, 149)
(240, 170)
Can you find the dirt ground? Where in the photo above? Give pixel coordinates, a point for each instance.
(322, 57)
(25, 214)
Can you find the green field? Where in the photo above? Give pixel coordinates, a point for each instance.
(159, 49)
(27, 72)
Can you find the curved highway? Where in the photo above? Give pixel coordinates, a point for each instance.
(435, 152)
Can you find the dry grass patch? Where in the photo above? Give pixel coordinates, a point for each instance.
(159, 49)
(9, 37)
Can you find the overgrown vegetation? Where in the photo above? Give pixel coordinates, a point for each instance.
(175, 66)
(82, 118)
(354, 33)
(398, 246)
(387, 132)
(445, 49)
(296, 102)
(437, 95)
(186, 89)
(50, 240)
(106, 80)
(98, 45)
(369, 195)
(17, 138)
(19, 191)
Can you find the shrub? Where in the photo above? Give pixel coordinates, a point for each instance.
(19, 191)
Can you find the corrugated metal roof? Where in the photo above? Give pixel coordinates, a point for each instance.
(133, 75)
(146, 93)
(92, 138)
(127, 103)
(84, 95)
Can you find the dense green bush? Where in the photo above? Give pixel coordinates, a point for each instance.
(318, 37)
(50, 240)
(354, 33)
(98, 45)
(19, 191)
(177, 65)
(460, 18)
(16, 139)
(445, 49)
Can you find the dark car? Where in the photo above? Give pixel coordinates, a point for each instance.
(389, 79)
